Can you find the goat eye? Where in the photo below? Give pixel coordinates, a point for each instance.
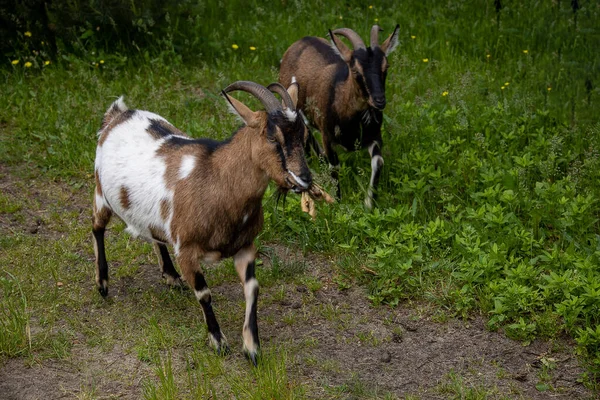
(271, 139)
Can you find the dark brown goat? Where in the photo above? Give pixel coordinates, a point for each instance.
(342, 92)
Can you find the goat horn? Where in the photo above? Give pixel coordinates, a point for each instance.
(285, 96)
(357, 42)
(268, 100)
(375, 36)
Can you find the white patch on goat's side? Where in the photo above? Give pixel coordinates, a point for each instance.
(298, 180)
(203, 294)
(188, 162)
(128, 158)
(290, 114)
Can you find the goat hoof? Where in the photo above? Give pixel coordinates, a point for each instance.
(103, 291)
(252, 357)
(173, 281)
(223, 350)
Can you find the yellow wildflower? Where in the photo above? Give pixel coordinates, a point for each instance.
(549, 88)
(506, 83)
(235, 46)
(14, 62)
(413, 37)
(46, 62)
(341, 17)
(426, 60)
(252, 48)
(370, 7)
(376, 19)
(488, 55)
(28, 64)
(42, 42)
(445, 93)
(525, 51)
(502, 88)
(28, 34)
(101, 61)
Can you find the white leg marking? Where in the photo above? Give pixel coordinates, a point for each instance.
(376, 164)
(203, 294)
(250, 289)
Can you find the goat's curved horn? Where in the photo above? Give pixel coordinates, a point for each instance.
(375, 36)
(357, 42)
(285, 96)
(268, 100)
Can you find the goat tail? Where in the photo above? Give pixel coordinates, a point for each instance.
(115, 109)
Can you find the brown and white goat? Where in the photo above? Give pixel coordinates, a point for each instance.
(202, 196)
(342, 92)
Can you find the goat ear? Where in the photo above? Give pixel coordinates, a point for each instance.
(391, 42)
(293, 92)
(248, 116)
(340, 48)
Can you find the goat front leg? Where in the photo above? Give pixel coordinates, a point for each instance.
(188, 258)
(376, 166)
(244, 265)
(334, 164)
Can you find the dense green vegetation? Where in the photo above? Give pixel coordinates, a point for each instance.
(489, 198)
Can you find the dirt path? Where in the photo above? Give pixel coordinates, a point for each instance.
(335, 338)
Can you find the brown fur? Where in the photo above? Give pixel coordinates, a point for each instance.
(158, 235)
(124, 198)
(226, 196)
(165, 209)
(98, 184)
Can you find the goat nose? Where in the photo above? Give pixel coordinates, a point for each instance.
(379, 102)
(306, 177)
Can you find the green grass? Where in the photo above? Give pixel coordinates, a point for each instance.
(489, 197)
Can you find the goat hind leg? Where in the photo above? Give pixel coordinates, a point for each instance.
(100, 218)
(166, 265)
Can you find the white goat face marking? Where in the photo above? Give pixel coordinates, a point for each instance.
(188, 162)
(290, 114)
(298, 180)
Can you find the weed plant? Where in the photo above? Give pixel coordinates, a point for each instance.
(489, 198)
